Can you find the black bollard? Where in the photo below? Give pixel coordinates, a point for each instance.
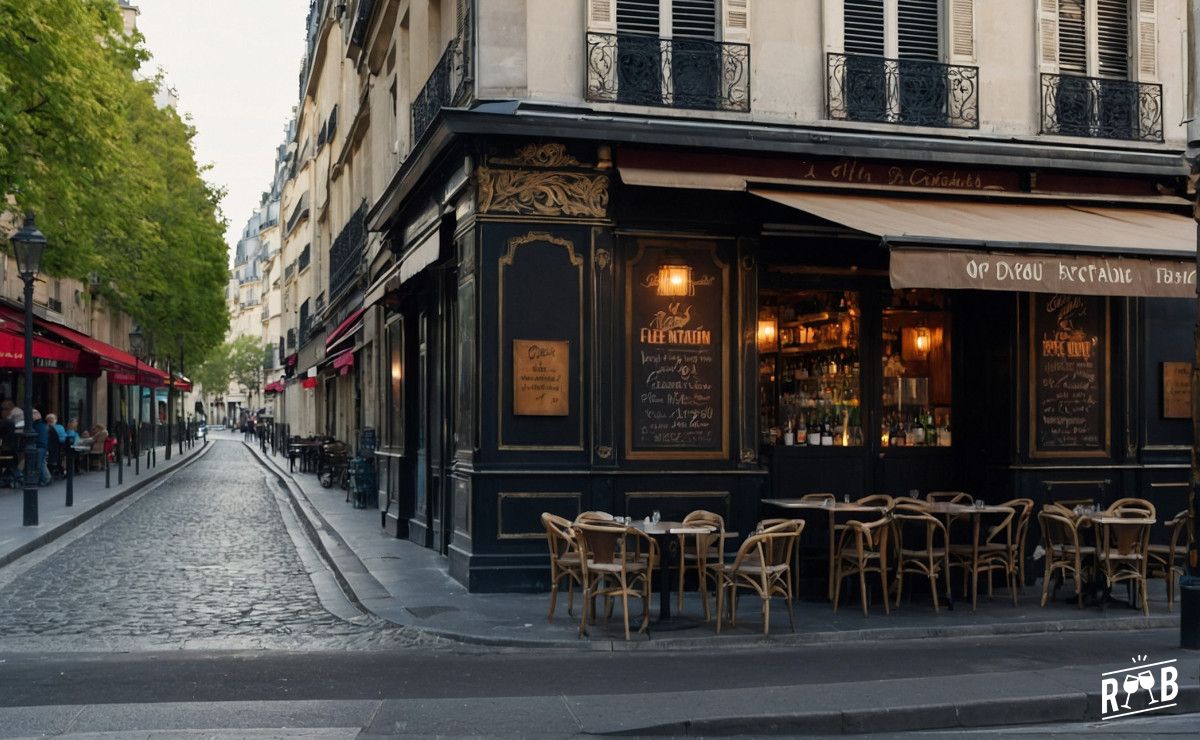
(120, 467)
(107, 472)
(70, 475)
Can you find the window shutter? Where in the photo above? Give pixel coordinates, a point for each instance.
(918, 30)
(694, 19)
(862, 27)
(1112, 38)
(1048, 35)
(602, 16)
(1072, 37)
(962, 30)
(639, 17)
(1147, 40)
(735, 21)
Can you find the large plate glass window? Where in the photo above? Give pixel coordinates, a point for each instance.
(916, 370)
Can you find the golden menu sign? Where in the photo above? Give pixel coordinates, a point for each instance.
(540, 377)
(1177, 390)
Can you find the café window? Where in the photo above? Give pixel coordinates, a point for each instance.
(394, 413)
(916, 370)
(809, 373)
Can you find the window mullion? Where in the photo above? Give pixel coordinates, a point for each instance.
(891, 28)
(1090, 29)
(665, 18)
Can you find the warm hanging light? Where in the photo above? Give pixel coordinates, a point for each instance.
(674, 279)
(767, 333)
(922, 339)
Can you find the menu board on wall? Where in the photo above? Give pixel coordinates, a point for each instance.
(1177, 390)
(1069, 375)
(676, 353)
(540, 376)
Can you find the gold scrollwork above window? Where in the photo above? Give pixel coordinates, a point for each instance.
(534, 193)
(540, 155)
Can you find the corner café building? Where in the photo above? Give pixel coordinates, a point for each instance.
(574, 325)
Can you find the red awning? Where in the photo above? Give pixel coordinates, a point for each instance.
(107, 356)
(275, 387)
(182, 384)
(309, 383)
(344, 362)
(144, 379)
(48, 357)
(342, 327)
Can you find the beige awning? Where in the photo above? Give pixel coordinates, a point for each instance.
(1018, 246)
(1058, 227)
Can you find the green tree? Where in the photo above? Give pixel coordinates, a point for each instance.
(213, 374)
(246, 362)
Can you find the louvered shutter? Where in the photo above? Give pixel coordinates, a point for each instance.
(1112, 38)
(602, 16)
(1072, 37)
(862, 27)
(917, 30)
(637, 17)
(694, 19)
(1048, 35)
(735, 21)
(1147, 40)
(962, 30)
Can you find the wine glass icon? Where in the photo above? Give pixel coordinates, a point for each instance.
(1130, 684)
(1146, 680)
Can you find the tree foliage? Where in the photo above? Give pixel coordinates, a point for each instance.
(112, 177)
(246, 362)
(213, 374)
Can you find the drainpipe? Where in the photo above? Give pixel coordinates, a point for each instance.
(1189, 591)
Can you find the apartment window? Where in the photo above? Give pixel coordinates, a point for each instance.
(1098, 58)
(896, 64)
(675, 53)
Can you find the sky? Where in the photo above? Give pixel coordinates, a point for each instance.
(235, 67)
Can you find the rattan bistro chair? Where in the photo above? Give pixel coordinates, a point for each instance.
(565, 564)
(922, 548)
(863, 548)
(1122, 549)
(762, 564)
(698, 551)
(1167, 560)
(1024, 515)
(1064, 554)
(1134, 506)
(990, 551)
(612, 568)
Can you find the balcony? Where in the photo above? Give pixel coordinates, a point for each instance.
(673, 73)
(909, 92)
(305, 329)
(437, 92)
(1101, 108)
(345, 256)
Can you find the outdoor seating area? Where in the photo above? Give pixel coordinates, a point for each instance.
(944, 549)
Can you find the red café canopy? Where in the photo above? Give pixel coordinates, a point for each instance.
(309, 383)
(122, 366)
(274, 387)
(48, 357)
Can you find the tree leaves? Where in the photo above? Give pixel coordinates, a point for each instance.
(111, 176)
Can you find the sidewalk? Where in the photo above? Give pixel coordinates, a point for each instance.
(55, 518)
(409, 585)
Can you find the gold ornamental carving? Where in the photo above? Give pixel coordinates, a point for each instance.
(603, 259)
(540, 155)
(604, 452)
(536, 193)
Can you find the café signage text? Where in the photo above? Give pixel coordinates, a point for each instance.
(1042, 273)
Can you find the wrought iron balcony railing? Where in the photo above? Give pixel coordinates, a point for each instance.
(1101, 108)
(673, 73)
(860, 87)
(437, 93)
(345, 256)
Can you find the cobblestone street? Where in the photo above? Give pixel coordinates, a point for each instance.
(203, 560)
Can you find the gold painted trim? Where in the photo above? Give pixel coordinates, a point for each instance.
(1184, 484)
(711, 248)
(501, 496)
(549, 220)
(507, 260)
(1106, 450)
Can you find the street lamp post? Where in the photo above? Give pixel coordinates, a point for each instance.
(170, 407)
(28, 245)
(179, 344)
(152, 451)
(137, 343)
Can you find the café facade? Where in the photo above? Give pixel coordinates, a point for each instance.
(584, 319)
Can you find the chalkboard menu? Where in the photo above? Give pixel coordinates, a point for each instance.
(1069, 395)
(676, 352)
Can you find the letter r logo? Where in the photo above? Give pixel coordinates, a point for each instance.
(1108, 695)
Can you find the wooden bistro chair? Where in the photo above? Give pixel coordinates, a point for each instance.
(1024, 515)
(949, 497)
(863, 548)
(1064, 554)
(565, 564)
(922, 548)
(97, 452)
(1139, 506)
(613, 568)
(1167, 560)
(698, 552)
(991, 550)
(763, 564)
(1122, 549)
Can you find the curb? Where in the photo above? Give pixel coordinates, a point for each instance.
(349, 569)
(52, 534)
(1006, 712)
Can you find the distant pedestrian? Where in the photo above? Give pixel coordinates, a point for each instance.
(42, 429)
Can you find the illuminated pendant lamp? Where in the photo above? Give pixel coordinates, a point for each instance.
(674, 276)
